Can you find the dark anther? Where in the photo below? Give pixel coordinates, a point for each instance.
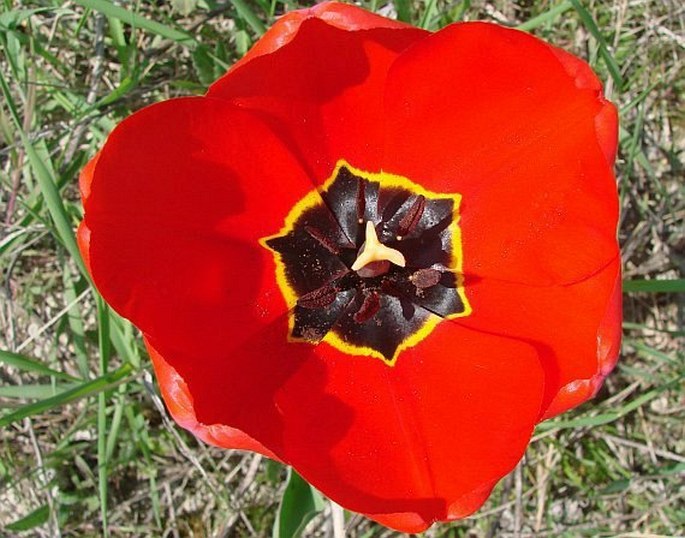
(325, 241)
(425, 278)
(361, 200)
(390, 287)
(412, 218)
(319, 298)
(369, 307)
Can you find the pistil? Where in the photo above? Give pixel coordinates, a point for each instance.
(375, 254)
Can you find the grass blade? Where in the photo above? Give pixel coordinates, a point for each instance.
(403, 8)
(545, 17)
(133, 19)
(103, 467)
(654, 286)
(34, 392)
(77, 332)
(48, 186)
(300, 503)
(428, 15)
(249, 16)
(89, 388)
(32, 365)
(111, 442)
(592, 27)
(607, 418)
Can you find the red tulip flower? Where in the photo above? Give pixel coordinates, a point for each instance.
(377, 254)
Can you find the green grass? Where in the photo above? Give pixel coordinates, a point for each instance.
(86, 447)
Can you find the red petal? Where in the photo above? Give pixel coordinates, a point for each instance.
(86, 177)
(428, 436)
(522, 131)
(343, 16)
(181, 193)
(179, 401)
(493, 114)
(607, 119)
(422, 441)
(83, 241)
(576, 329)
(412, 522)
(324, 102)
(452, 417)
(572, 388)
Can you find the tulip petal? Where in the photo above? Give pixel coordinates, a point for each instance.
(606, 120)
(412, 522)
(571, 388)
(177, 201)
(179, 401)
(423, 440)
(493, 114)
(86, 177)
(576, 329)
(322, 91)
(522, 131)
(336, 14)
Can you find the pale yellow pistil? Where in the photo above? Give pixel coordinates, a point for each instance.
(375, 251)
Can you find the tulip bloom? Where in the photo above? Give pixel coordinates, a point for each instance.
(377, 254)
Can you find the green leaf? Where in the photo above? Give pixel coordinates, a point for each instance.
(545, 17)
(89, 388)
(300, 503)
(672, 469)
(592, 27)
(204, 65)
(36, 518)
(133, 19)
(676, 285)
(403, 8)
(184, 7)
(33, 392)
(249, 16)
(617, 486)
(31, 365)
(48, 186)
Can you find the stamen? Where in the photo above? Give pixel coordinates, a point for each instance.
(319, 298)
(361, 200)
(425, 278)
(324, 240)
(412, 217)
(374, 251)
(369, 307)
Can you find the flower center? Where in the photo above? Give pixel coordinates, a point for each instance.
(370, 263)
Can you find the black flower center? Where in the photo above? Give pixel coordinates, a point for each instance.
(370, 263)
